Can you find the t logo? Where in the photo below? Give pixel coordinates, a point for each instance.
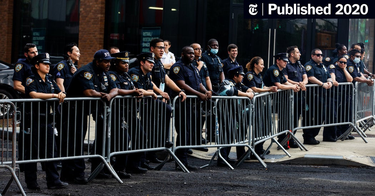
(253, 9)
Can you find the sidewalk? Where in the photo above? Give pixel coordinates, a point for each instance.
(346, 153)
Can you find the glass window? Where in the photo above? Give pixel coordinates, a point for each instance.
(326, 35)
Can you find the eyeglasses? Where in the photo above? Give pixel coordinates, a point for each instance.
(160, 47)
(318, 55)
(197, 48)
(343, 62)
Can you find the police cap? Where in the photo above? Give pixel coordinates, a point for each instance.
(123, 56)
(102, 54)
(282, 56)
(147, 56)
(235, 70)
(41, 58)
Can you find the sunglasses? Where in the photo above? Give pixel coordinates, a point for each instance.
(318, 55)
(343, 62)
(358, 56)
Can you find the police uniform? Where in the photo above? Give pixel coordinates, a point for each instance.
(203, 73)
(252, 79)
(188, 131)
(87, 77)
(158, 74)
(353, 69)
(63, 70)
(215, 68)
(42, 134)
(273, 75)
(320, 72)
(22, 70)
(228, 64)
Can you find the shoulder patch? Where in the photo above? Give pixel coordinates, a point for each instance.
(328, 59)
(113, 77)
(308, 67)
(18, 67)
(332, 66)
(29, 81)
(135, 78)
(276, 72)
(60, 66)
(250, 76)
(87, 75)
(351, 69)
(346, 56)
(176, 69)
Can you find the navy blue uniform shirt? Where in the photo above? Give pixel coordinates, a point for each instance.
(22, 70)
(294, 71)
(253, 80)
(228, 64)
(273, 75)
(353, 69)
(188, 73)
(62, 70)
(90, 77)
(140, 80)
(339, 73)
(158, 73)
(122, 80)
(319, 71)
(203, 73)
(215, 68)
(238, 87)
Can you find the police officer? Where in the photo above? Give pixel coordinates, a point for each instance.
(354, 68)
(235, 75)
(341, 97)
(295, 73)
(118, 73)
(213, 62)
(275, 77)
(254, 80)
(91, 80)
(40, 86)
(201, 66)
(186, 76)
(64, 70)
(231, 61)
(317, 73)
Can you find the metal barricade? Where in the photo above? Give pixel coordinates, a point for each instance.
(8, 119)
(332, 109)
(220, 122)
(139, 125)
(273, 117)
(364, 104)
(75, 129)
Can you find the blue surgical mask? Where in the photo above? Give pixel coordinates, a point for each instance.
(356, 60)
(214, 51)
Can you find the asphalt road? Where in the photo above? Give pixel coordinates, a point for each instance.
(247, 179)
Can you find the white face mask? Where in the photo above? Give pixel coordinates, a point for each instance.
(356, 60)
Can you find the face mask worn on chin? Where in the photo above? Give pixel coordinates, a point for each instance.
(356, 60)
(214, 51)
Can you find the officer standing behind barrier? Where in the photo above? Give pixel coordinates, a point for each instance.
(236, 75)
(91, 80)
(64, 70)
(231, 61)
(119, 75)
(341, 98)
(186, 76)
(254, 80)
(275, 77)
(201, 66)
(40, 86)
(295, 73)
(317, 74)
(354, 68)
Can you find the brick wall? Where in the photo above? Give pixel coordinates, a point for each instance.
(91, 29)
(6, 26)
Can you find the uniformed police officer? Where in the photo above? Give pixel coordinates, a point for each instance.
(354, 68)
(254, 80)
(118, 73)
(341, 97)
(231, 61)
(295, 73)
(201, 66)
(64, 70)
(275, 77)
(317, 73)
(40, 86)
(235, 75)
(186, 76)
(91, 80)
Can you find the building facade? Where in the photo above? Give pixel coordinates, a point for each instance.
(131, 24)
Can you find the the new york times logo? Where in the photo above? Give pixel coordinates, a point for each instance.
(325, 9)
